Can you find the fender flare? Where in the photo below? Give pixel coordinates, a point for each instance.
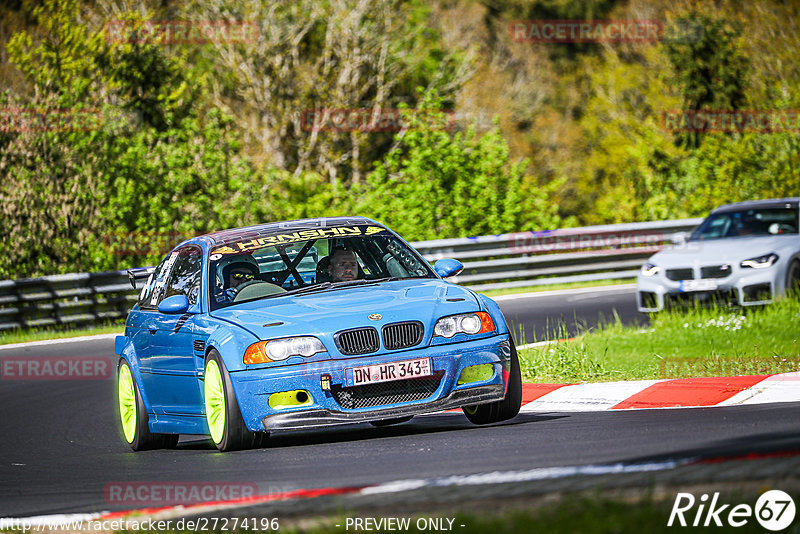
(230, 343)
(124, 348)
(494, 310)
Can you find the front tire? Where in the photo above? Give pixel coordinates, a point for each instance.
(133, 415)
(793, 280)
(494, 412)
(225, 424)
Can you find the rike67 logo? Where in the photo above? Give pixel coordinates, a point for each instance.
(774, 510)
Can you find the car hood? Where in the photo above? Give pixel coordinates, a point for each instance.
(719, 251)
(325, 312)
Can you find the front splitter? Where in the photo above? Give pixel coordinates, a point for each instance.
(300, 420)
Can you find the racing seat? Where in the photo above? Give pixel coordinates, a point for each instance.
(322, 269)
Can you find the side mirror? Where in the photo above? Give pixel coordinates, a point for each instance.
(679, 238)
(174, 304)
(448, 267)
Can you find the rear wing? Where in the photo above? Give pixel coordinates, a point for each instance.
(139, 273)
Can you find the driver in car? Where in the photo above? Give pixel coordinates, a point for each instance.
(344, 266)
(235, 272)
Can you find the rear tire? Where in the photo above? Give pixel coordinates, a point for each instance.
(133, 415)
(494, 412)
(224, 418)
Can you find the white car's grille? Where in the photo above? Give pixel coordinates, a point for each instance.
(680, 274)
(715, 271)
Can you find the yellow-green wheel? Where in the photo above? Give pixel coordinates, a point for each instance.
(225, 424)
(127, 403)
(133, 415)
(215, 401)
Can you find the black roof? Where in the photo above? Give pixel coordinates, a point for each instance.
(791, 202)
(261, 230)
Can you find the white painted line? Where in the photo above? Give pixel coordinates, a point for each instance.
(557, 292)
(777, 388)
(587, 397)
(396, 486)
(98, 337)
(505, 477)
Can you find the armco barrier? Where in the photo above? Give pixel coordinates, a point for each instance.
(554, 256)
(490, 262)
(86, 298)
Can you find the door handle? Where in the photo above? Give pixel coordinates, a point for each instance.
(153, 331)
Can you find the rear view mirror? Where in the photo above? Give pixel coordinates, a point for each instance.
(448, 267)
(174, 304)
(679, 238)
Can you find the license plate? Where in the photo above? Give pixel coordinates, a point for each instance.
(384, 372)
(698, 285)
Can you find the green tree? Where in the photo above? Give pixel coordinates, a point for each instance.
(150, 162)
(710, 68)
(438, 184)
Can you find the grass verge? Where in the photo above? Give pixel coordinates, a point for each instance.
(23, 336)
(554, 287)
(681, 343)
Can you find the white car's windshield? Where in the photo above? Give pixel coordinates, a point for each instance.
(304, 261)
(748, 223)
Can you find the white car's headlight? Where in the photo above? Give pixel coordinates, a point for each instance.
(650, 269)
(275, 350)
(464, 323)
(761, 262)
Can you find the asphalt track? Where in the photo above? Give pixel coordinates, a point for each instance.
(60, 447)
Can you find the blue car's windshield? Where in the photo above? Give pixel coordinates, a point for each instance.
(272, 264)
(748, 223)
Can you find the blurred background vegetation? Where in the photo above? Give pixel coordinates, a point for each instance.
(198, 137)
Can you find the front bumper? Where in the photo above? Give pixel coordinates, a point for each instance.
(297, 420)
(744, 287)
(253, 387)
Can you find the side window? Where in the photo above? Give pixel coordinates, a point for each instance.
(185, 276)
(149, 296)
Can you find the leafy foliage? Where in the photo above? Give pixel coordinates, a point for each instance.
(436, 184)
(182, 139)
(709, 69)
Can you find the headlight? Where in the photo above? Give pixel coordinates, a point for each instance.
(275, 350)
(761, 262)
(465, 323)
(650, 269)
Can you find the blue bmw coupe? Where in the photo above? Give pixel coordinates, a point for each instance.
(306, 324)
